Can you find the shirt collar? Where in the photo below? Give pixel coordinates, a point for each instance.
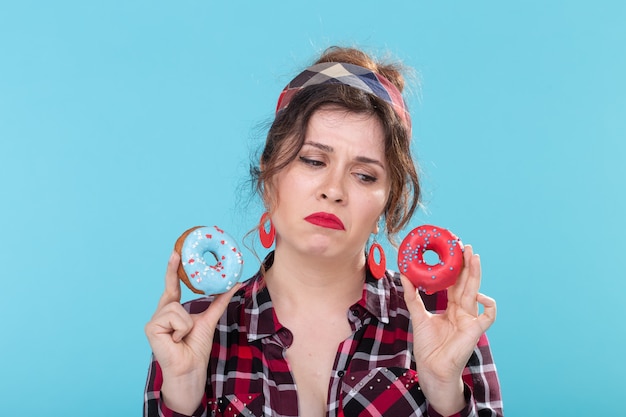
(260, 317)
(377, 298)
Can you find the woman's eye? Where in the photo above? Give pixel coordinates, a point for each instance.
(312, 162)
(367, 178)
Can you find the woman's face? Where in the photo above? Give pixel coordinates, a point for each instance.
(330, 197)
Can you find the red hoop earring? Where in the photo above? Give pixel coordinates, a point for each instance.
(267, 238)
(377, 269)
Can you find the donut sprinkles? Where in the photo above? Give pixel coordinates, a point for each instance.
(426, 277)
(202, 276)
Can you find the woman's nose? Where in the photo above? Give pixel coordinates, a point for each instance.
(333, 189)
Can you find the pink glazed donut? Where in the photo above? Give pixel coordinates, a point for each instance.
(426, 277)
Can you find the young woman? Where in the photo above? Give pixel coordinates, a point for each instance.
(315, 332)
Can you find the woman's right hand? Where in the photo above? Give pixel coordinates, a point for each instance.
(181, 342)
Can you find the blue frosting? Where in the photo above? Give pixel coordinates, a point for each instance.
(211, 260)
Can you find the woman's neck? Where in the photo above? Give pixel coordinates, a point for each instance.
(301, 282)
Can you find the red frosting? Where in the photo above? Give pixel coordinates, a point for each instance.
(426, 277)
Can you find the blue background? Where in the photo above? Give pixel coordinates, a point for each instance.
(122, 123)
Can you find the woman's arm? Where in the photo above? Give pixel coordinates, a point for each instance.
(444, 343)
(181, 345)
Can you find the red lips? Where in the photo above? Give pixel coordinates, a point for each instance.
(327, 220)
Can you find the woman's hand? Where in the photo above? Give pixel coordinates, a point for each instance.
(181, 342)
(443, 343)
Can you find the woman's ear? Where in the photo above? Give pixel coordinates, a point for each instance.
(269, 199)
(376, 227)
(265, 188)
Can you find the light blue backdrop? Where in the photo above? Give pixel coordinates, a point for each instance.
(122, 123)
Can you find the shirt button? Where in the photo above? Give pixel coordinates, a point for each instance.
(355, 312)
(340, 374)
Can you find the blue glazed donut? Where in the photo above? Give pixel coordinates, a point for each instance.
(210, 262)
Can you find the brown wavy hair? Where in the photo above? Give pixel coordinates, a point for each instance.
(286, 135)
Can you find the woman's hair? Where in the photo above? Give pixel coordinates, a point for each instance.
(287, 134)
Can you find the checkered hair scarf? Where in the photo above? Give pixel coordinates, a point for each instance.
(347, 74)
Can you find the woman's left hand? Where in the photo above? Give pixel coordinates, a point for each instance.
(444, 342)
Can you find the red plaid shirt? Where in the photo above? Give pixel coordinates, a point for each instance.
(373, 374)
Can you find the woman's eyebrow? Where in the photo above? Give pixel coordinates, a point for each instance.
(330, 149)
(321, 146)
(366, 160)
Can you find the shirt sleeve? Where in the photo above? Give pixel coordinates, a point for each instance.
(482, 387)
(153, 406)
(468, 410)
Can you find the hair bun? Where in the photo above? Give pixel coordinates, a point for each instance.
(391, 71)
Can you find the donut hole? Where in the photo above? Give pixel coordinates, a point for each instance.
(431, 258)
(210, 258)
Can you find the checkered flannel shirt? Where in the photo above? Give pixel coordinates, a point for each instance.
(373, 374)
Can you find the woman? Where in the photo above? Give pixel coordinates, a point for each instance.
(315, 333)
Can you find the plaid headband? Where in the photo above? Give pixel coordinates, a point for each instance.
(347, 74)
